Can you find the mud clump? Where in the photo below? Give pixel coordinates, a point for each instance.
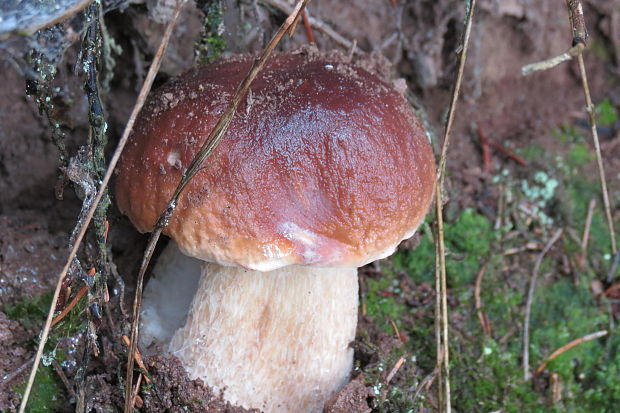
(175, 392)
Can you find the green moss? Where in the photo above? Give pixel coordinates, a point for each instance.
(531, 152)
(382, 301)
(567, 134)
(606, 114)
(30, 313)
(579, 155)
(45, 394)
(211, 44)
(47, 391)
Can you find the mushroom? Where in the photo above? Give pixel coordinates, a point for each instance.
(324, 169)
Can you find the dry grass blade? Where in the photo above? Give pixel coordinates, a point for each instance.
(528, 304)
(440, 271)
(207, 148)
(568, 346)
(148, 82)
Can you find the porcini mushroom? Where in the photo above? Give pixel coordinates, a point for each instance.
(324, 169)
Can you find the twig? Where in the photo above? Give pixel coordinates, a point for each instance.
(207, 148)
(72, 304)
(396, 331)
(138, 357)
(395, 369)
(484, 321)
(614, 267)
(317, 24)
(486, 153)
(440, 271)
(7, 379)
(566, 347)
(552, 62)
(309, 34)
(426, 382)
(599, 156)
(134, 395)
(63, 377)
(148, 82)
(528, 304)
(586, 235)
(507, 152)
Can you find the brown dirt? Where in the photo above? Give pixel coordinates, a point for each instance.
(510, 109)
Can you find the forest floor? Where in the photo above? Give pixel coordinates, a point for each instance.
(501, 210)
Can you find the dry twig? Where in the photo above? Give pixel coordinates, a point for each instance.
(148, 82)
(207, 148)
(317, 24)
(72, 304)
(569, 346)
(599, 156)
(308, 26)
(440, 272)
(395, 369)
(586, 235)
(528, 304)
(138, 358)
(484, 320)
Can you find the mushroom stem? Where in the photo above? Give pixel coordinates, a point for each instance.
(277, 340)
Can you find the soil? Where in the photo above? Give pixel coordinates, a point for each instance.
(419, 38)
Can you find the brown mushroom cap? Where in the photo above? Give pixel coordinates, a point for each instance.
(324, 164)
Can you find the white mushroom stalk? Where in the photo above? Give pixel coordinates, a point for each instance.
(275, 340)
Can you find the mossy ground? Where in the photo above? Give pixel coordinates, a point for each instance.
(486, 370)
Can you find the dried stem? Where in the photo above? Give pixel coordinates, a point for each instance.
(484, 320)
(552, 62)
(440, 271)
(530, 300)
(568, 346)
(207, 148)
(586, 235)
(80, 234)
(395, 369)
(599, 157)
(317, 24)
(72, 304)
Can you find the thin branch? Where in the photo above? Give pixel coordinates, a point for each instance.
(69, 307)
(395, 369)
(207, 148)
(440, 271)
(566, 347)
(553, 61)
(599, 156)
(484, 320)
(528, 303)
(148, 82)
(586, 235)
(317, 24)
(308, 27)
